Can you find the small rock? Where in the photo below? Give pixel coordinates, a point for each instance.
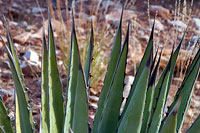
(36, 36)
(197, 22)
(5, 64)
(114, 16)
(6, 74)
(1, 23)
(194, 39)
(94, 98)
(126, 91)
(178, 23)
(158, 24)
(23, 24)
(198, 86)
(94, 105)
(108, 4)
(30, 68)
(37, 10)
(12, 23)
(22, 38)
(144, 38)
(15, 5)
(31, 55)
(163, 12)
(8, 92)
(128, 80)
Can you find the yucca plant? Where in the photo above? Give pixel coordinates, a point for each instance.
(144, 110)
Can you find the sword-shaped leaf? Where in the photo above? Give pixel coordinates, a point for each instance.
(132, 120)
(5, 125)
(109, 74)
(187, 88)
(45, 87)
(80, 118)
(73, 76)
(89, 57)
(170, 64)
(19, 72)
(56, 114)
(110, 114)
(158, 109)
(24, 121)
(171, 121)
(148, 51)
(149, 97)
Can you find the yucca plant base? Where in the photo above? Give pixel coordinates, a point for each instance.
(144, 108)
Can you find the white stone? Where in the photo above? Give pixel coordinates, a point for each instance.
(31, 55)
(194, 38)
(158, 24)
(37, 10)
(12, 23)
(178, 23)
(15, 5)
(23, 24)
(197, 22)
(129, 80)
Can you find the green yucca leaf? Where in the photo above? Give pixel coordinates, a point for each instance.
(170, 64)
(148, 51)
(25, 125)
(154, 60)
(89, 57)
(158, 110)
(171, 121)
(187, 88)
(195, 128)
(110, 114)
(73, 76)
(5, 125)
(132, 120)
(174, 59)
(109, 74)
(56, 114)
(19, 72)
(44, 86)
(80, 118)
(149, 97)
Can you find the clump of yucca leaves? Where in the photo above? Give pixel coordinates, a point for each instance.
(144, 107)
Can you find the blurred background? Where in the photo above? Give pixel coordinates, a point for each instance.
(26, 18)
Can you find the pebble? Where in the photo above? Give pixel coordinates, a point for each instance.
(6, 74)
(161, 11)
(158, 24)
(12, 23)
(23, 24)
(8, 92)
(114, 16)
(5, 64)
(37, 10)
(197, 23)
(15, 5)
(31, 55)
(178, 23)
(128, 80)
(194, 39)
